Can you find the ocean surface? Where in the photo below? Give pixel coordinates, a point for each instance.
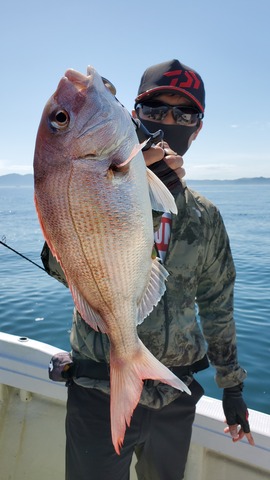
(35, 305)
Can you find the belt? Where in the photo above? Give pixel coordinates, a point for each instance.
(90, 369)
(101, 370)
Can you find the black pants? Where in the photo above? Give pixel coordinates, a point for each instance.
(160, 438)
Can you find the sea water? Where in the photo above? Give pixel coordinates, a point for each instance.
(35, 305)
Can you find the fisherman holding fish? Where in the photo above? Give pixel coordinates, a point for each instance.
(191, 245)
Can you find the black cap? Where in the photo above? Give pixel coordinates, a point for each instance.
(169, 77)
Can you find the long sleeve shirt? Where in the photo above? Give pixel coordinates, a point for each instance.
(195, 316)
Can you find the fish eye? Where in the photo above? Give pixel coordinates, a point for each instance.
(59, 119)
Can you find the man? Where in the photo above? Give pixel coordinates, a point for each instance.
(194, 248)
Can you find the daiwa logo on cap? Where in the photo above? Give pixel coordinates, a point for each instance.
(183, 79)
(172, 76)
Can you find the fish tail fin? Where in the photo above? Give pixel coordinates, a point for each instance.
(127, 384)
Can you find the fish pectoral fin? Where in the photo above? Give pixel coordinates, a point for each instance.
(89, 315)
(161, 198)
(155, 289)
(136, 149)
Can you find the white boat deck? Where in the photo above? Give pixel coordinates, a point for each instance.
(32, 416)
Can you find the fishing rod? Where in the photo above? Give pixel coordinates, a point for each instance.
(2, 242)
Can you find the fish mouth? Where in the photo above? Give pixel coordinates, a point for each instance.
(108, 84)
(80, 80)
(82, 83)
(99, 115)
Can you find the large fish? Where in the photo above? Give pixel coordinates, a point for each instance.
(94, 197)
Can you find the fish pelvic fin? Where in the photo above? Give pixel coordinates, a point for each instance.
(127, 384)
(90, 316)
(161, 198)
(155, 289)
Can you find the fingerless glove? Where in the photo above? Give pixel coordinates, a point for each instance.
(234, 407)
(167, 176)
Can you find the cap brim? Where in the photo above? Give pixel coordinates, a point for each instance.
(159, 90)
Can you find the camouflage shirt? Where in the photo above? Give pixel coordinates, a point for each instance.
(195, 316)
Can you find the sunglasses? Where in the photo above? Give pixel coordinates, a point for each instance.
(182, 114)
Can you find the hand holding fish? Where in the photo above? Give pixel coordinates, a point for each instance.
(162, 151)
(167, 165)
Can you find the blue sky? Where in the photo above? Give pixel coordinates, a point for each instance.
(227, 42)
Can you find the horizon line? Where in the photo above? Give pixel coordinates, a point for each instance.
(185, 178)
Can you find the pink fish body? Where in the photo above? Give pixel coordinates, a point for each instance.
(94, 197)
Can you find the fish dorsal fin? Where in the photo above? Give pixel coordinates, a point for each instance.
(160, 197)
(154, 291)
(89, 315)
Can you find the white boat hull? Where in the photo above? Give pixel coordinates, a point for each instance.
(32, 425)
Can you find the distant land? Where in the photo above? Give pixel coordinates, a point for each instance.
(18, 180)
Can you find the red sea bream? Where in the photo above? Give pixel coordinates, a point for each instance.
(94, 197)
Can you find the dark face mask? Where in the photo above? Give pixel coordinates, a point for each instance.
(177, 136)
